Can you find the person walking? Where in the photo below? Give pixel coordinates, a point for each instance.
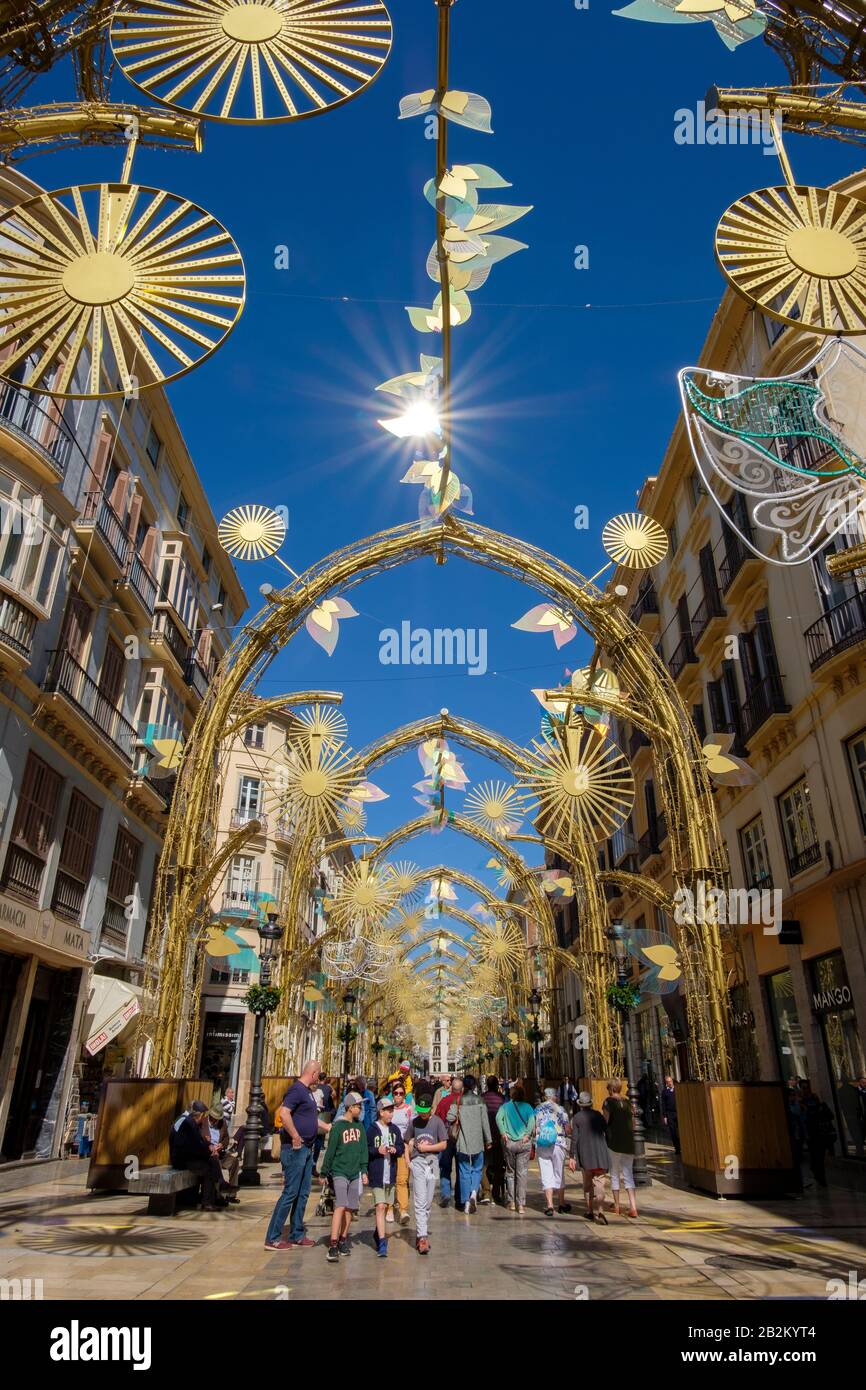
(515, 1121)
(619, 1115)
(589, 1153)
(820, 1132)
(669, 1112)
(404, 1110)
(346, 1161)
(493, 1176)
(470, 1129)
(299, 1121)
(427, 1138)
(568, 1095)
(324, 1094)
(552, 1131)
(448, 1159)
(442, 1089)
(385, 1146)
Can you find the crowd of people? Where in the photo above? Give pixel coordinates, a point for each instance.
(395, 1141)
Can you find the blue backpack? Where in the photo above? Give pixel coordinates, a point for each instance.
(547, 1133)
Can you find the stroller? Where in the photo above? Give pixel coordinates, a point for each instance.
(325, 1204)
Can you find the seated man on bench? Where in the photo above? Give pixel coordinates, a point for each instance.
(190, 1148)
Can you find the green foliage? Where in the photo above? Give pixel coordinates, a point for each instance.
(262, 999)
(623, 997)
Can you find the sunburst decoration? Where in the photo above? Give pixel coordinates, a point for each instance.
(501, 944)
(365, 896)
(318, 780)
(505, 876)
(133, 285)
(252, 63)
(352, 819)
(584, 786)
(799, 254)
(635, 541)
(496, 807)
(322, 723)
(251, 532)
(406, 880)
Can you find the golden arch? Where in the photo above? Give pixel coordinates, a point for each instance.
(697, 849)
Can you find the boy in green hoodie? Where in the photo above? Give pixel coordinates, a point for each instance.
(345, 1161)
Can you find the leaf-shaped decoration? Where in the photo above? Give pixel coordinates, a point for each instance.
(724, 768)
(367, 792)
(323, 623)
(430, 320)
(219, 944)
(492, 217)
(545, 618)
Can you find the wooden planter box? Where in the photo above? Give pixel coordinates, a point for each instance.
(598, 1090)
(133, 1122)
(738, 1128)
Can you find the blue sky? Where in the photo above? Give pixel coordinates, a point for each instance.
(559, 404)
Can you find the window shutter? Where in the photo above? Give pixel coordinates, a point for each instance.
(708, 574)
(764, 633)
(699, 719)
(37, 806)
(79, 837)
(124, 866)
(717, 708)
(76, 625)
(101, 455)
(111, 675)
(729, 678)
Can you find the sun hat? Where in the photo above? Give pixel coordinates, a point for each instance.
(585, 1099)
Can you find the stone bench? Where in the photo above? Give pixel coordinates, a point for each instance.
(162, 1184)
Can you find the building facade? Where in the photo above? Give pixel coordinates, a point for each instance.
(115, 605)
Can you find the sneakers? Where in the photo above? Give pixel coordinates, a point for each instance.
(382, 1249)
(422, 1245)
(472, 1204)
(444, 1202)
(466, 1209)
(404, 1218)
(305, 1244)
(389, 1215)
(484, 1202)
(278, 1244)
(344, 1247)
(333, 1254)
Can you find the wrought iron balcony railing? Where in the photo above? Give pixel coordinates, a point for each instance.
(98, 511)
(764, 699)
(804, 859)
(710, 607)
(17, 625)
(684, 655)
(843, 626)
(142, 581)
(241, 818)
(65, 676)
(44, 427)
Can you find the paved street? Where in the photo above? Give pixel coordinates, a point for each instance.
(684, 1246)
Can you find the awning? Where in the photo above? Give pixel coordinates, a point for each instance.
(111, 1006)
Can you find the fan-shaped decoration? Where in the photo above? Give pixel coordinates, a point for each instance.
(725, 769)
(634, 541)
(406, 881)
(790, 447)
(318, 780)
(165, 746)
(365, 896)
(501, 944)
(584, 787)
(545, 618)
(441, 764)
(352, 818)
(251, 532)
(323, 722)
(441, 890)
(218, 943)
(130, 286)
(323, 623)
(799, 254)
(656, 951)
(735, 21)
(496, 807)
(558, 886)
(251, 61)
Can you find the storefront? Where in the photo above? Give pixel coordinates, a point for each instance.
(221, 1049)
(744, 1046)
(42, 962)
(787, 1030)
(833, 1005)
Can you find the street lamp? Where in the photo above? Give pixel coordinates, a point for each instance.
(616, 937)
(249, 1176)
(535, 1034)
(348, 1006)
(507, 1027)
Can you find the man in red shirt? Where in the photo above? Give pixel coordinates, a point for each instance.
(448, 1156)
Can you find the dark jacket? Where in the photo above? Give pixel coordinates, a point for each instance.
(669, 1103)
(187, 1143)
(376, 1170)
(494, 1100)
(588, 1139)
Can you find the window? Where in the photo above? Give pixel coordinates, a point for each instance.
(111, 675)
(31, 542)
(33, 830)
(696, 488)
(206, 560)
(153, 448)
(856, 750)
(221, 597)
(122, 888)
(756, 858)
(76, 857)
(254, 736)
(182, 511)
(243, 880)
(249, 795)
(673, 538)
(700, 720)
(279, 879)
(798, 828)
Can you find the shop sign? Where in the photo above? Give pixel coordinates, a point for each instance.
(115, 1025)
(837, 997)
(830, 988)
(743, 1018)
(42, 928)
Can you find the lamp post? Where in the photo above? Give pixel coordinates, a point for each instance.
(348, 1006)
(535, 1035)
(507, 1027)
(615, 936)
(249, 1176)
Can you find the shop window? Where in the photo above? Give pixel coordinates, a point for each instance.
(833, 1004)
(856, 750)
(790, 1047)
(798, 828)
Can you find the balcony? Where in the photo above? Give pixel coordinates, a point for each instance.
(241, 818)
(41, 427)
(138, 588)
(22, 875)
(843, 627)
(684, 655)
(167, 633)
(705, 615)
(65, 677)
(766, 698)
(637, 741)
(649, 844)
(239, 903)
(196, 677)
(762, 882)
(17, 626)
(738, 568)
(114, 925)
(644, 612)
(102, 531)
(69, 894)
(624, 851)
(804, 859)
(283, 831)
